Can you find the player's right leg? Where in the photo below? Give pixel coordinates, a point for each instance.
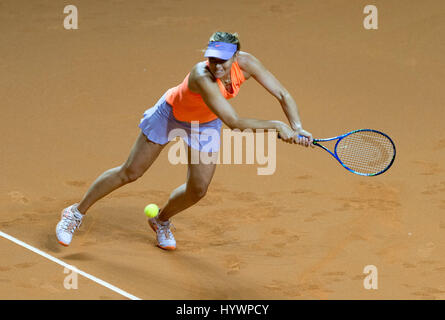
(143, 154)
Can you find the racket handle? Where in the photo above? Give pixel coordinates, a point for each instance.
(300, 136)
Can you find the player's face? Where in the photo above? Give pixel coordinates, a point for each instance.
(219, 67)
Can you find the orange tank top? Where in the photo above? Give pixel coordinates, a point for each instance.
(189, 106)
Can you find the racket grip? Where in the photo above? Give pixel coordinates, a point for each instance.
(300, 136)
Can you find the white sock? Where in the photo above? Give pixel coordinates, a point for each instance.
(77, 213)
(164, 223)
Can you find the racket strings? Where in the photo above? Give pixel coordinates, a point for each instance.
(366, 152)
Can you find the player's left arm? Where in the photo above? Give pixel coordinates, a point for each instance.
(264, 77)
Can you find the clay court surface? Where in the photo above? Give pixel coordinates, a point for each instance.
(71, 101)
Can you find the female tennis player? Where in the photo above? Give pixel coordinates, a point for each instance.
(201, 97)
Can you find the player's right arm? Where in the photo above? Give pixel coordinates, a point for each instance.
(209, 91)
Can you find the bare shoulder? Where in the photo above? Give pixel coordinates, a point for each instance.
(248, 63)
(199, 75)
(245, 58)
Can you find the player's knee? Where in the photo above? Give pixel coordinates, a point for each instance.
(197, 192)
(129, 174)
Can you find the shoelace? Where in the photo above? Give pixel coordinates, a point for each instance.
(71, 223)
(165, 229)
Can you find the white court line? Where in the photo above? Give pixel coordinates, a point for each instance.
(86, 275)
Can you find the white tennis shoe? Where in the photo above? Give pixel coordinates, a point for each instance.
(71, 220)
(164, 236)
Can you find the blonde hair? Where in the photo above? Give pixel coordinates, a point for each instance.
(226, 37)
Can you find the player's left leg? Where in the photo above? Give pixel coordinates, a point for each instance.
(199, 176)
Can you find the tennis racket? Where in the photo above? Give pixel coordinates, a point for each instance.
(364, 152)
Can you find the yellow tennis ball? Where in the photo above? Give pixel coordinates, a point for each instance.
(151, 210)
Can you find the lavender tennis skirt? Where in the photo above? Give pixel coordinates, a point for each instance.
(160, 126)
